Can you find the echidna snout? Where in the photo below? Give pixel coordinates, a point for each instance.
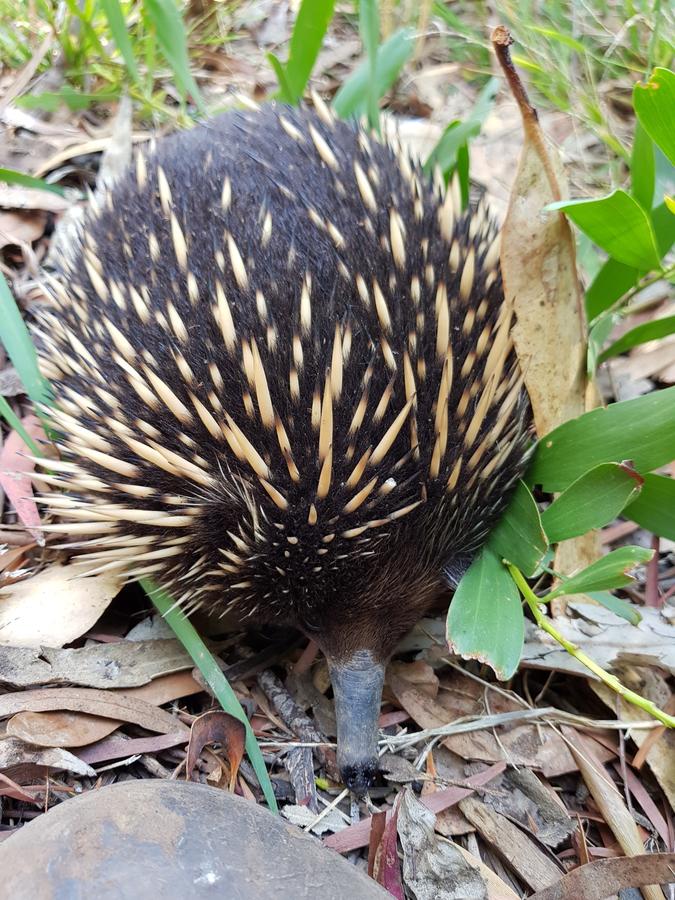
(286, 386)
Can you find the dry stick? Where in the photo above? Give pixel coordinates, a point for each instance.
(501, 41)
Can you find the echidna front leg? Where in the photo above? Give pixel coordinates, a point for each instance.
(357, 688)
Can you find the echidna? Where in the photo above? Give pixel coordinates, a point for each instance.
(286, 387)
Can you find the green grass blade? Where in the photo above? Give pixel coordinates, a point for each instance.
(308, 33)
(392, 55)
(186, 634)
(172, 40)
(9, 176)
(17, 342)
(369, 27)
(285, 92)
(118, 29)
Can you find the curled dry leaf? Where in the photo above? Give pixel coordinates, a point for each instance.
(53, 607)
(606, 877)
(541, 281)
(16, 468)
(217, 727)
(13, 752)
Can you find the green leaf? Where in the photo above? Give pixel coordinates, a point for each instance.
(456, 134)
(619, 225)
(51, 101)
(17, 342)
(392, 55)
(642, 430)
(654, 509)
(618, 606)
(643, 168)
(654, 104)
(593, 500)
(519, 536)
(663, 221)
(648, 331)
(604, 574)
(310, 27)
(485, 619)
(172, 40)
(9, 176)
(612, 281)
(118, 29)
(186, 634)
(598, 334)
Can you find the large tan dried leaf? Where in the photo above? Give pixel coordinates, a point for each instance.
(539, 272)
(53, 608)
(538, 262)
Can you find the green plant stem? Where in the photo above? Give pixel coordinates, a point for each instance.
(610, 680)
(186, 634)
(14, 422)
(645, 283)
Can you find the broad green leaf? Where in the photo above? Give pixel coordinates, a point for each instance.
(618, 606)
(456, 134)
(9, 176)
(172, 40)
(308, 33)
(654, 509)
(606, 573)
(619, 225)
(663, 221)
(641, 430)
(17, 342)
(485, 619)
(593, 500)
(648, 331)
(118, 29)
(519, 537)
(654, 104)
(352, 98)
(612, 281)
(642, 168)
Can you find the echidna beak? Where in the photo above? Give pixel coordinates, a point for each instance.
(357, 688)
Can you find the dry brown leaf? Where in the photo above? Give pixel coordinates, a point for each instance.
(77, 729)
(53, 607)
(21, 227)
(606, 877)
(433, 869)
(516, 849)
(496, 888)
(15, 196)
(14, 753)
(16, 467)
(610, 802)
(217, 727)
(661, 757)
(538, 261)
(525, 745)
(123, 665)
(108, 704)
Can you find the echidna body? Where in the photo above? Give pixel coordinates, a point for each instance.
(286, 387)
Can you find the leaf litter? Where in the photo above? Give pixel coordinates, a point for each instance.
(490, 809)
